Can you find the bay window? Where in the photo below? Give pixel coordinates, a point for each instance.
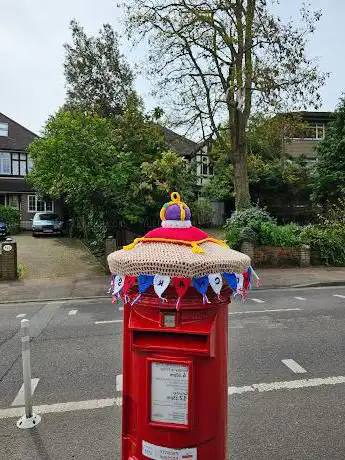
(14, 164)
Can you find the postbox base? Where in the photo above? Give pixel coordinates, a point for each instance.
(208, 451)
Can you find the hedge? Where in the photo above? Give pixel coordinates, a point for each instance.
(11, 217)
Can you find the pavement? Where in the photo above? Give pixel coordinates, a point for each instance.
(286, 377)
(85, 285)
(55, 257)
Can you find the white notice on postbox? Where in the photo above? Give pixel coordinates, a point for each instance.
(169, 393)
(164, 453)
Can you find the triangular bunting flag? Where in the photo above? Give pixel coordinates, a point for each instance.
(160, 284)
(216, 282)
(231, 279)
(201, 284)
(181, 286)
(144, 282)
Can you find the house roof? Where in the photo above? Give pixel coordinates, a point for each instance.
(15, 185)
(180, 144)
(19, 137)
(313, 116)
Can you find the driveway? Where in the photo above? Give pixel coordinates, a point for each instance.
(50, 257)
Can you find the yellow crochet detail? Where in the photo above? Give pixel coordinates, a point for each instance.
(196, 249)
(132, 245)
(175, 199)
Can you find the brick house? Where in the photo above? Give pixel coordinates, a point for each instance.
(15, 163)
(304, 144)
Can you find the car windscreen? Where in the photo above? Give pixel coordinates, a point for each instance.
(48, 217)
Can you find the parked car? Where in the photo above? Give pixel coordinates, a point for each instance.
(3, 230)
(47, 224)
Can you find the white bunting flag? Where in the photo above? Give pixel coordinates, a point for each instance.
(239, 277)
(216, 282)
(118, 284)
(160, 284)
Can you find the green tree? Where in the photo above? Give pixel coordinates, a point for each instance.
(215, 60)
(271, 184)
(94, 164)
(329, 171)
(268, 136)
(98, 79)
(170, 172)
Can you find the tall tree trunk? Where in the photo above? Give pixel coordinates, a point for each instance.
(239, 159)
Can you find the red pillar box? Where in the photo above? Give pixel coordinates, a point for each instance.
(176, 284)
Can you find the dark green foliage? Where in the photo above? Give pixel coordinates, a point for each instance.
(283, 236)
(256, 225)
(95, 165)
(328, 237)
(98, 79)
(11, 217)
(252, 217)
(327, 242)
(201, 212)
(329, 177)
(245, 220)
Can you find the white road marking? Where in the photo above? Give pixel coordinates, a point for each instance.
(119, 382)
(264, 311)
(258, 300)
(22, 315)
(102, 403)
(110, 321)
(287, 385)
(19, 399)
(73, 312)
(340, 296)
(300, 298)
(63, 407)
(295, 367)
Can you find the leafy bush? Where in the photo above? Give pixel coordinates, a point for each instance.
(251, 217)
(243, 221)
(202, 212)
(11, 217)
(284, 236)
(328, 237)
(328, 242)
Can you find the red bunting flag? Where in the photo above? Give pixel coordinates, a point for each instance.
(128, 284)
(181, 286)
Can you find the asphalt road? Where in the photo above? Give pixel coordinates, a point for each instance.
(286, 377)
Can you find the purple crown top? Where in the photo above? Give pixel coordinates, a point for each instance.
(173, 212)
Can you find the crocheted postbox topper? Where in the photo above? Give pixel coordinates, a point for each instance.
(175, 253)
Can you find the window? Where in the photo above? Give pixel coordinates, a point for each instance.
(30, 163)
(5, 163)
(48, 217)
(4, 129)
(206, 167)
(315, 131)
(36, 204)
(14, 164)
(19, 164)
(13, 201)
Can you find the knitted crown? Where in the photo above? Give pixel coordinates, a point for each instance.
(175, 214)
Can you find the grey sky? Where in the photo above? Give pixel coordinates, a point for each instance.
(32, 33)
